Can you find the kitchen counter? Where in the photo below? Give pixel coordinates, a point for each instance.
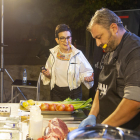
(72, 120)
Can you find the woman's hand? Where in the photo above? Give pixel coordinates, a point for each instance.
(46, 73)
(90, 78)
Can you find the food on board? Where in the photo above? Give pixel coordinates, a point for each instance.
(44, 107)
(31, 102)
(56, 129)
(52, 107)
(60, 107)
(69, 107)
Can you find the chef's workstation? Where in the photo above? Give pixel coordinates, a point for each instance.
(46, 120)
(40, 120)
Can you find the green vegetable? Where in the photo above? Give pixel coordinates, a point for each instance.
(69, 99)
(77, 103)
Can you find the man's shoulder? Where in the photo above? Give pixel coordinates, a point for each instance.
(131, 43)
(132, 40)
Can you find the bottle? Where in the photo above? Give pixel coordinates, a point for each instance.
(36, 123)
(24, 81)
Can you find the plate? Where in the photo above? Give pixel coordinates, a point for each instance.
(38, 103)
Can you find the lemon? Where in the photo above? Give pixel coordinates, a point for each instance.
(31, 102)
(25, 104)
(105, 45)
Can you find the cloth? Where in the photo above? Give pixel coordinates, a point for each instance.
(79, 68)
(61, 73)
(113, 79)
(61, 93)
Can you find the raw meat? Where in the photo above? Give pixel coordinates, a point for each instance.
(57, 130)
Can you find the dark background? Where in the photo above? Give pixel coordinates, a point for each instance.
(26, 20)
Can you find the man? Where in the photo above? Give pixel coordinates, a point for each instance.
(117, 99)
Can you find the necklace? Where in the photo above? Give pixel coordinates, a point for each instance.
(63, 56)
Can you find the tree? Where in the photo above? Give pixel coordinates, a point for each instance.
(77, 13)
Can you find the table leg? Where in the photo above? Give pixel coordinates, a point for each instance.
(12, 95)
(38, 93)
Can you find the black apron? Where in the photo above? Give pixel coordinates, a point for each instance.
(109, 98)
(61, 93)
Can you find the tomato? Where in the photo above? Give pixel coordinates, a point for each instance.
(69, 107)
(44, 107)
(52, 107)
(60, 107)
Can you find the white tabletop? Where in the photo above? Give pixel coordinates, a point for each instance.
(15, 111)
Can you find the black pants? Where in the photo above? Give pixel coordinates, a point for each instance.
(61, 93)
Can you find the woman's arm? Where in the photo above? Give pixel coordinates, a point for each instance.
(46, 75)
(86, 72)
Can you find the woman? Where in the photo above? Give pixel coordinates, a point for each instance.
(66, 68)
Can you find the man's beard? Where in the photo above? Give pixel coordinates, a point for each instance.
(111, 46)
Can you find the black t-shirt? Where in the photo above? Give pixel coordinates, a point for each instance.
(128, 67)
(128, 72)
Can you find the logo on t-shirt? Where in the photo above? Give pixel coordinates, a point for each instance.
(102, 89)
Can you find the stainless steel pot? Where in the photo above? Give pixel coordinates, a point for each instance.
(103, 132)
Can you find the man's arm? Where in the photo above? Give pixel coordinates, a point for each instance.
(95, 106)
(91, 119)
(126, 110)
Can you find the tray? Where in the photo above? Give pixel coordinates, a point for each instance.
(57, 112)
(47, 112)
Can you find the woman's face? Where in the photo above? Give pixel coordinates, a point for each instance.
(64, 40)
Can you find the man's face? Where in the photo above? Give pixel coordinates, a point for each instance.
(103, 36)
(64, 40)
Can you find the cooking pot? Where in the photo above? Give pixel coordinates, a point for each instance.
(103, 132)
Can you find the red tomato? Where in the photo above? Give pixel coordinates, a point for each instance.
(44, 107)
(52, 107)
(60, 107)
(69, 107)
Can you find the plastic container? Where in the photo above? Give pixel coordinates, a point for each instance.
(24, 81)
(36, 123)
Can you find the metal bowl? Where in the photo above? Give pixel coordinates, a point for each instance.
(103, 132)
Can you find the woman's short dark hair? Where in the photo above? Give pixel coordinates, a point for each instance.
(61, 28)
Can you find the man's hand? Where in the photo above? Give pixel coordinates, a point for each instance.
(90, 78)
(46, 73)
(90, 120)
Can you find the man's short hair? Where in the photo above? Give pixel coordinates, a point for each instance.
(105, 17)
(61, 28)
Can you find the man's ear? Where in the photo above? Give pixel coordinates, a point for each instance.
(114, 28)
(57, 40)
